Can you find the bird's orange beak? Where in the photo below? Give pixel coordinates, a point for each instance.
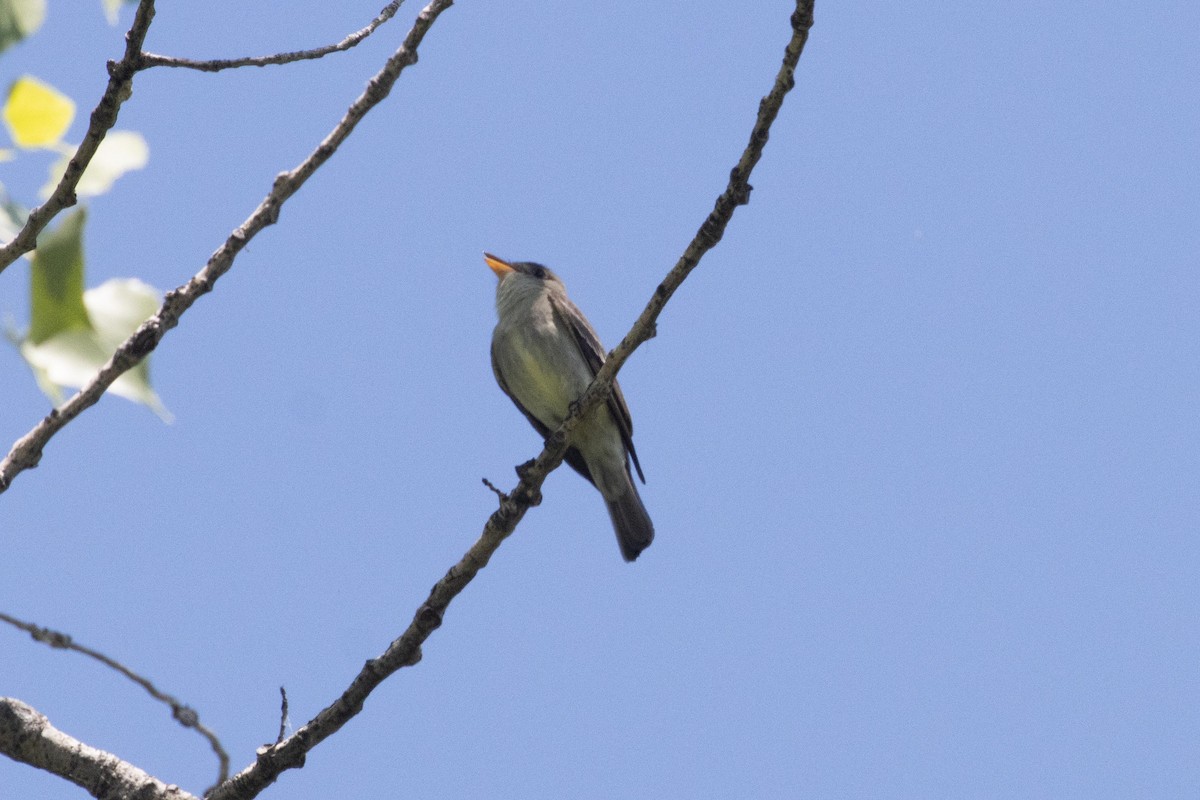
(498, 265)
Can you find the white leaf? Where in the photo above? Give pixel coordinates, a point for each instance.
(120, 152)
(72, 358)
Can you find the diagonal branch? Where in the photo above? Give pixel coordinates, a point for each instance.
(736, 193)
(27, 736)
(406, 650)
(104, 116)
(27, 451)
(218, 64)
(183, 714)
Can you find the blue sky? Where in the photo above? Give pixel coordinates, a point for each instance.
(920, 434)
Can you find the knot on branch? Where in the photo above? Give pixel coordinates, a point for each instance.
(711, 231)
(185, 716)
(429, 619)
(275, 758)
(52, 638)
(530, 497)
(146, 339)
(30, 458)
(802, 17)
(413, 658)
(739, 188)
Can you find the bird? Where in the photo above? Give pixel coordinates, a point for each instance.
(544, 355)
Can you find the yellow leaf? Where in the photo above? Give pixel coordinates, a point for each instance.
(36, 113)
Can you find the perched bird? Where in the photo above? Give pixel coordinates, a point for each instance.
(544, 354)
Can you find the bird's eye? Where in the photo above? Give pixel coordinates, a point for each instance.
(539, 273)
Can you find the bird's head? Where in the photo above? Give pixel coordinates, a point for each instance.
(505, 269)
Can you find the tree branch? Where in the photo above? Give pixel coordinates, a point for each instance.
(27, 736)
(736, 193)
(104, 116)
(183, 714)
(406, 650)
(20, 725)
(218, 64)
(27, 451)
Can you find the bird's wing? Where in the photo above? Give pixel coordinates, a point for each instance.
(572, 319)
(572, 456)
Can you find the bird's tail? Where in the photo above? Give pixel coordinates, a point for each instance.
(634, 529)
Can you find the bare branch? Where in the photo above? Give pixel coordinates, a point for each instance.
(737, 192)
(406, 650)
(218, 64)
(27, 736)
(27, 451)
(183, 714)
(104, 116)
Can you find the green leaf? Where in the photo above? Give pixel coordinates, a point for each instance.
(18, 19)
(73, 333)
(56, 281)
(73, 357)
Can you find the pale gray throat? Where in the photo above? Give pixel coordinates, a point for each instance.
(516, 293)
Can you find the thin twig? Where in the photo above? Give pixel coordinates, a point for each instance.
(27, 451)
(406, 650)
(104, 116)
(185, 715)
(492, 486)
(218, 64)
(284, 721)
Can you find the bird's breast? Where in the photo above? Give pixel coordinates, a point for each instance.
(542, 368)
